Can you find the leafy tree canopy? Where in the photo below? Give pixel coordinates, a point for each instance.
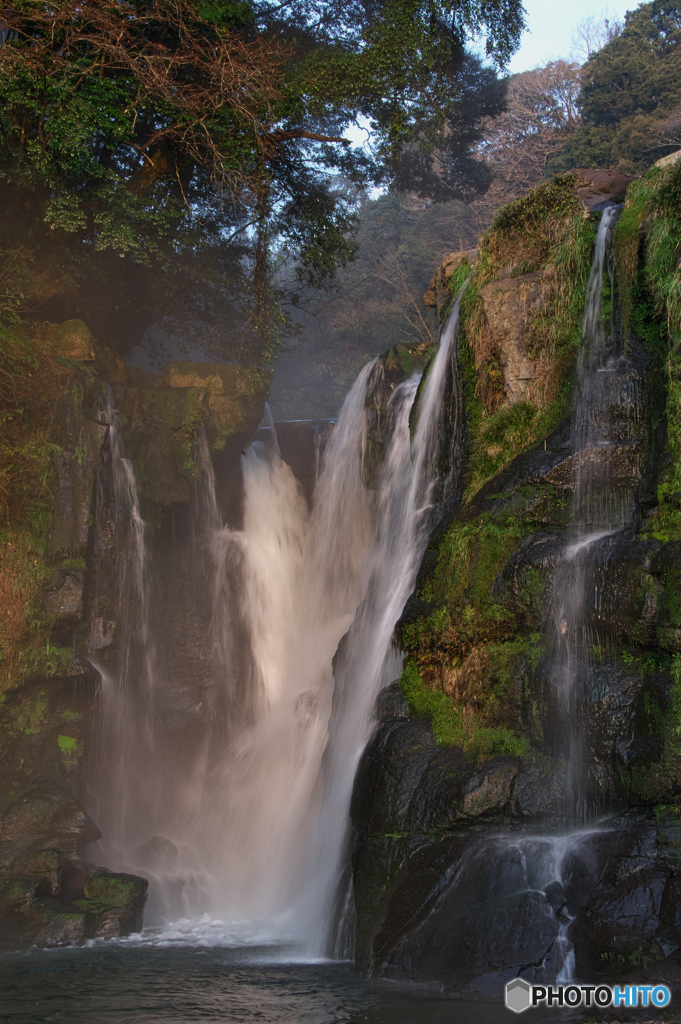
(158, 157)
(630, 88)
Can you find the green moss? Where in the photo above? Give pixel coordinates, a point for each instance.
(108, 892)
(76, 562)
(508, 432)
(648, 249)
(451, 727)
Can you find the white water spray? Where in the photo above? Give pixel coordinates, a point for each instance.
(271, 822)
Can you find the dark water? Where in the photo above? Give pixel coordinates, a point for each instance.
(117, 984)
(110, 983)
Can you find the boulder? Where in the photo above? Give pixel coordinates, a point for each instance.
(391, 703)
(63, 596)
(72, 340)
(596, 187)
(669, 160)
(159, 854)
(489, 791)
(116, 901)
(45, 817)
(65, 930)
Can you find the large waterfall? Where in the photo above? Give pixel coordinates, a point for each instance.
(247, 824)
(303, 605)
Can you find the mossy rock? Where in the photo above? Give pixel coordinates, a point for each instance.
(114, 903)
(72, 340)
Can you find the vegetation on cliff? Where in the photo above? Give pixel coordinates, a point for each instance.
(546, 238)
(477, 631)
(648, 248)
(33, 378)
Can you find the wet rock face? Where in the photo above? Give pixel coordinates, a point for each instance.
(451, 885)
(408, 795)
(473, 899)
(45, 817)
(623, 885)
(485, 922)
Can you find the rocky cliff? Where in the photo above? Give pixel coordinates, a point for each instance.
(458, 874)
(59, 587)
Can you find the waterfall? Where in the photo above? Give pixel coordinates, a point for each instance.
(127, 791)
(294, 704)
(600, 505)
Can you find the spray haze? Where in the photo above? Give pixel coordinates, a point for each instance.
(257, 826)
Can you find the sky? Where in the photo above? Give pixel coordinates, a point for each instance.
(551, 24)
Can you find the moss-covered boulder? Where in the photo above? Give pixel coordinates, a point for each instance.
(72, 340)
(50, 899)
(113, 903)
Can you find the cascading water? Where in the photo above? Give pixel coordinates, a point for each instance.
(600, 505)
(256, 805)
(126, 789)
(271, 824)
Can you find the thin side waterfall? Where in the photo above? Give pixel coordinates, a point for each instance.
(270, 822)
(126, 792)
(600, 506)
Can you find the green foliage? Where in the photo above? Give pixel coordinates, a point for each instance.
(509, 431)
(450, 725)
(651, 288)
(629, 87)
(676, 676)
(31, 383)
(159, 164)
(529, 216)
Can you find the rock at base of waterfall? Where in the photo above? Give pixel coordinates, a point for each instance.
(65, 930)
(116, 901)
(159, 854)
(45, 817)
(485, 921)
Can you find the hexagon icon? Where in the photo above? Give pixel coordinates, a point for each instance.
(518, 995)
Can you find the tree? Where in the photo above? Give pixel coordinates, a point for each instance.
(629, 87)
(518, 145)
(593, 33)
(159, 156)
